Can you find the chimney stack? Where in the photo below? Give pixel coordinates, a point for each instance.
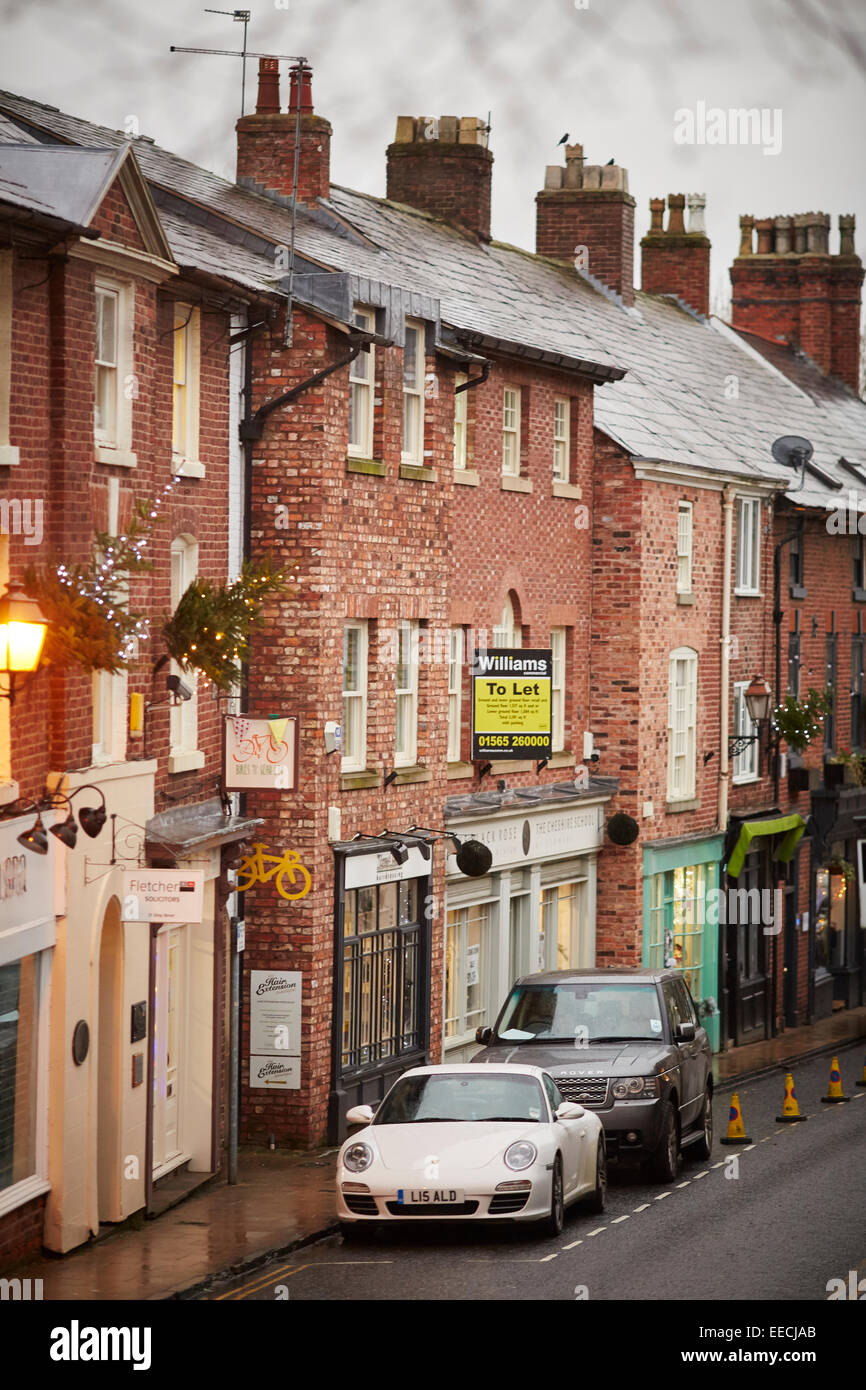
(442, 165)
(792, 288)
(266, 140)
(673, 260)
(585, 215)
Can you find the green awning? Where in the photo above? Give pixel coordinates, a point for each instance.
(791, 826)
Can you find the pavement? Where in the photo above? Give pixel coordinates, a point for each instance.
(284, 1200)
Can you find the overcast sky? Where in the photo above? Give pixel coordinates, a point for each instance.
(612, 73)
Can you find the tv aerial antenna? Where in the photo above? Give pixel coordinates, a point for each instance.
(239, 17)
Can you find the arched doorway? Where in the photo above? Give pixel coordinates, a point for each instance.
(109, 1049)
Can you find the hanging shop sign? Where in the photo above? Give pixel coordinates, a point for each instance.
(518, 838)
(511, 703)
(162, 895)
(275, 1029)
(260, 753)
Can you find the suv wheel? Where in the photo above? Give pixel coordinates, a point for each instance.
(704, 1146)
(597, 1200)
(664, 1164)
(552, 1225)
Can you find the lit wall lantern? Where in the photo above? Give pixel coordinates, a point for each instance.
(23, 626)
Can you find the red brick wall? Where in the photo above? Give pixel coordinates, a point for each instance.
(21, 1233)
(449, 181)
(680, 265)
(266, 154)
(601, 220)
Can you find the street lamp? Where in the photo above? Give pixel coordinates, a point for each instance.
(759, 702)
(23, 626)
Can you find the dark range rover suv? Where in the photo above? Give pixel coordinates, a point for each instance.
(627, 1044)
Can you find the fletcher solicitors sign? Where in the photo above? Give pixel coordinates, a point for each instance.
(530, 835)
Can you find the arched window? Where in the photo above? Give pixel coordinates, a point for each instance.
(508, 632)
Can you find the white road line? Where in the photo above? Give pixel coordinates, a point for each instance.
(766, 1139)
(643, 1208)
(616, 1220)
(547, 1258)
(687, 1183)
(704, 1174)
(721, 1163)
(598, 1231)
(661, 1196)
(749, 1146)
(572, 1245)
(859, 1095)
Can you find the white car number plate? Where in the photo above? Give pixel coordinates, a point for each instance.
(434, 1196)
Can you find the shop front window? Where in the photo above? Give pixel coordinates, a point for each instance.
(19, 996)
(831, 889)
(679, 914)
(467, 943)
(381, 954)
(563, 942)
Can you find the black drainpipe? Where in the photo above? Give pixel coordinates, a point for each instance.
(474, 380)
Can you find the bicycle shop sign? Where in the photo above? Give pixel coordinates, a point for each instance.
(260, 753)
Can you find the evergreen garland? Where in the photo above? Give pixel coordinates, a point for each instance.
(209, 629)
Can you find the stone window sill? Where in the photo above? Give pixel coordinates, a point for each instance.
(797, 591)
(561, 759)
(356, 781)
(458, 770)
(122, 458)
(10, 455)
(185, 762)
(503, 765)
(747, 593)
(685, 599)
(8, 792)
(858, 595)
(372, 466)
(509, 484)
(672, 808)
(572, 490)
(467, 476)
(418, 473)
(187, 468)
(412, 774)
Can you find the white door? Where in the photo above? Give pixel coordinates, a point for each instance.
(168, 1045)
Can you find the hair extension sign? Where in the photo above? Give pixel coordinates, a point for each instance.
(511, 702)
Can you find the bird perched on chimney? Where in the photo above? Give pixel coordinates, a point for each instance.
(563, 140)
(609, 162)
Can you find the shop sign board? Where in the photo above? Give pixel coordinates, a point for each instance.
(162, 895)
(275, 1029)
(511, 699)
(260, 753)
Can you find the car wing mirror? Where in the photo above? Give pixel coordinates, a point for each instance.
(483, 1035)
(685, 1032)
(568, 1110)
(360, 1115)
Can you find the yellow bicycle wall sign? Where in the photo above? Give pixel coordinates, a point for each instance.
(286, 869)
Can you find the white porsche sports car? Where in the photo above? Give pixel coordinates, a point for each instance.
(472, 1143)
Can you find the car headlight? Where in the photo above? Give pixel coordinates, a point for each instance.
(635, 1088)
(358, 1158)
(520, 1155)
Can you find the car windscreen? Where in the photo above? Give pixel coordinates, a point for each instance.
(581, 1013)
(461, 1098)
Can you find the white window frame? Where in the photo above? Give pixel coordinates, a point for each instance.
(184, 752)
(461, 417)
(8, 788)
(559, 647)
(455, 692)
(413, 390)
(511, 431)
(682, 724)
(507, 633)
(115, 446)
(187, 355)
(362, 389)
(744, 765)
(685, 542)
(355, 760)
(10, 455)
(406, 696)
(457, 919)
(748, 578)
(109, 718)
(561, 439)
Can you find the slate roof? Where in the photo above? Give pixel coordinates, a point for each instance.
(696, 394)
(65, 183)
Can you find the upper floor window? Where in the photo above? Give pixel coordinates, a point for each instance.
(461, 411)
(185, 412)
(745, 764)
(406, 730)
(684, 548)
(858, 690)
(361, 390)
(831, 679)
(355, 641)
(115, 382)
(682, 723)
(859, 566)
(9, 453)
(507, 633)
(184, 752)
(107, 389)
(455, 692)
(796, 570)
(561, 439)
(748, 545)
(794, 657)
(557, 689)
(511, 431)
(413, 394)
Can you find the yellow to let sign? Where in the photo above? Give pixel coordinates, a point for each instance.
(511, 698)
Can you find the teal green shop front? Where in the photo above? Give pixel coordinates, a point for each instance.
(681, 918)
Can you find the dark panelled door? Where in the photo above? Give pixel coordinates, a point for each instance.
(747, 955)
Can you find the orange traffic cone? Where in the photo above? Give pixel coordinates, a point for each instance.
(834, 1094)
(736, 1132)
(863, 1082)
(790, 1109)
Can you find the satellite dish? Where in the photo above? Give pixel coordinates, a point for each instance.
(792, 450)
(474, 859)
